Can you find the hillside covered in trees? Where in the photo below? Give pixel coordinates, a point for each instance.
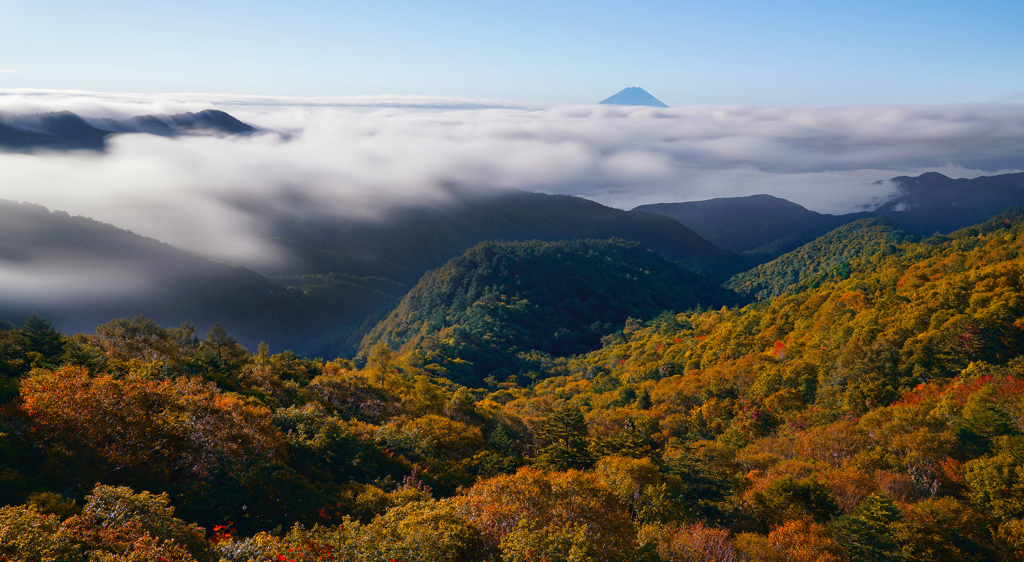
(831, 254)
(872, 411)
(502, 309)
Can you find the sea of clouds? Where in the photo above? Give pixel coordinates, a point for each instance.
(361, 156)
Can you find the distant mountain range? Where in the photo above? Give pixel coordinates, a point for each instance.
(985, 194)
(64, 130)
(633, 96)
(755, 225)
(412, 240)
(763, 227)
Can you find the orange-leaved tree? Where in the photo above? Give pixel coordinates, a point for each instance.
(181, 427)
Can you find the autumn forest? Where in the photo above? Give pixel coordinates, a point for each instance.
(859, 398)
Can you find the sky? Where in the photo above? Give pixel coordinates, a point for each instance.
(731, 52)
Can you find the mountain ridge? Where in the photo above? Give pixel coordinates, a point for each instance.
(65, 130)
(763, 227)
(832, 254)
(413, 240)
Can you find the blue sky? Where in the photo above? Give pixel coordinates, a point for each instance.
(720, 53)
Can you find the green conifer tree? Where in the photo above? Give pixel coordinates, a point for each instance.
(39, 336)
(225, 348)
(867, 533)
(565, 433)
(643, 400)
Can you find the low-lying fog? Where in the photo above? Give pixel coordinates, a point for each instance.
(360, 156)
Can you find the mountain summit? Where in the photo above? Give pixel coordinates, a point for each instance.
(634, 96)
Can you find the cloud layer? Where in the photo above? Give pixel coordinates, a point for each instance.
(102, 104)
(360, 156)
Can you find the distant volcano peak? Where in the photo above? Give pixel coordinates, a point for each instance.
(634, 96)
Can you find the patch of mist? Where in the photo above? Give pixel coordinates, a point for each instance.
(55, 283)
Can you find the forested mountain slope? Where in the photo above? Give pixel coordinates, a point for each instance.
(874, 416)
(834, 254)
(485, 312)
(920, 313)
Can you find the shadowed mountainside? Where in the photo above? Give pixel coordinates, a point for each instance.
(762, 227)
(413, 240)
(64, 130)
(80, 272)
(758, 224)
(341, 277)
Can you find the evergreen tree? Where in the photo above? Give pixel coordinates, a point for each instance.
(225, 348)
(500, 456)
(500, 442)
(702, 489)
(630, 442)
(643, 400)
(39, 336)
(565, 433)
(13, 361)
(867, 533)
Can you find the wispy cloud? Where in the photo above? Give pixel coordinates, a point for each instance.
(381, 151)
(7, 71)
